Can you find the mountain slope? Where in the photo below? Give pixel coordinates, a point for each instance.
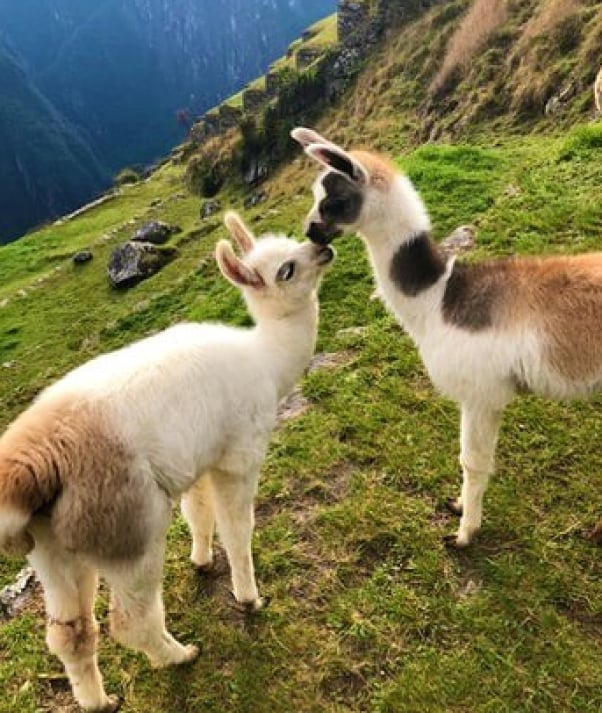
(120, 69)
(46, 169)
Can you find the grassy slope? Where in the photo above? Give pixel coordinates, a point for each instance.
(369, 612)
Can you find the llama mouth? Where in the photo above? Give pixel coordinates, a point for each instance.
(321, 233)
(325, 255)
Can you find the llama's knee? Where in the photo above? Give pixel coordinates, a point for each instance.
(72, 641)
(477, 465)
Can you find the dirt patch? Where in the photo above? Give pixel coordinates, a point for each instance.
(579, 612)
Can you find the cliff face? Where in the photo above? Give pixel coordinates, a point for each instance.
(121, 69)
(105, 80)
(46, 167)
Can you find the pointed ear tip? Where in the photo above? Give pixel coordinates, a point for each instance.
(231, 217)
(222, 248)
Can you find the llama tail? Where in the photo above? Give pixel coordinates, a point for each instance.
(26, 486)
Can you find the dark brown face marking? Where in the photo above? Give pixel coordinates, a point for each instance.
(343, 201)
(341, 205)
(471, 293)
(416, 265)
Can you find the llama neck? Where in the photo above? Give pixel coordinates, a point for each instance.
(407, 263)
(289, 343)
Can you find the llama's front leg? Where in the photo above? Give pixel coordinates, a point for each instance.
(479, 430)
(198, 511)
(234, 495)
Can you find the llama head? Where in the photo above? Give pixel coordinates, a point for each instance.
(277, 275)
(359, 191)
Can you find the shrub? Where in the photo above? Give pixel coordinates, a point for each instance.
(550, 15)
(126, 176)
(483, 18)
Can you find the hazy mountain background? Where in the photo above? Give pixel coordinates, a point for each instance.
(89, 87)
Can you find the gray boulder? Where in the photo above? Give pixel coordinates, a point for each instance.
(210, 207)
(135, 261)
(154, 232)
(82, 257)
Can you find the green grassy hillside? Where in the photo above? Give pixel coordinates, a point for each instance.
(368, 612)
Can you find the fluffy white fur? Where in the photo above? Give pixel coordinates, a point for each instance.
(195, 405)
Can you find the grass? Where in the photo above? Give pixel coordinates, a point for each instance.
(368, 611)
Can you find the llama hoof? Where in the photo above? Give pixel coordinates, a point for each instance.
(452, 542)
(113, 704)
(452, 505)
(185, 654)
(207, 568)
(192, 652)
(252, 606)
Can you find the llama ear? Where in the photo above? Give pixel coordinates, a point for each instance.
(306, 137)
(234, 269)
(238, 230)
(339, 160)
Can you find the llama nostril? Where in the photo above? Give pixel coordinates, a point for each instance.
(325, 255)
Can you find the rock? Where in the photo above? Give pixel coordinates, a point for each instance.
(556, 103)
(306, 56)
(154, 232)
(253, 100)
(254, 199)
(229, 117)
(82, 257)
(135, 261)
(462, 239)
(257, 171)
(293, 406)
(210, 207)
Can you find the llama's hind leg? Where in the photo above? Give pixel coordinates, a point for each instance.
(234, 495)
(198, 511)
(479, 430)
(72, 632)
(137, 616)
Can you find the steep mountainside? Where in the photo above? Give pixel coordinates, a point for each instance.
(46, 168)
(120, 69)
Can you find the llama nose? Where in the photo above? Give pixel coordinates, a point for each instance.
(317, 233)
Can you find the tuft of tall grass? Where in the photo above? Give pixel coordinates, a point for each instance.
(483, 18)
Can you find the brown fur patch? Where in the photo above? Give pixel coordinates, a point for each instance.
(559, 296)
(381, 169)
(566, 293)
(60, 460)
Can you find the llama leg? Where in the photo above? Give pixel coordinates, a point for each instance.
(198, 511)
(479, 430)
(234, 495)
(72, 632)
(137, 616)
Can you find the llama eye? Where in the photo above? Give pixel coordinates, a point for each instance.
(286, 271)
